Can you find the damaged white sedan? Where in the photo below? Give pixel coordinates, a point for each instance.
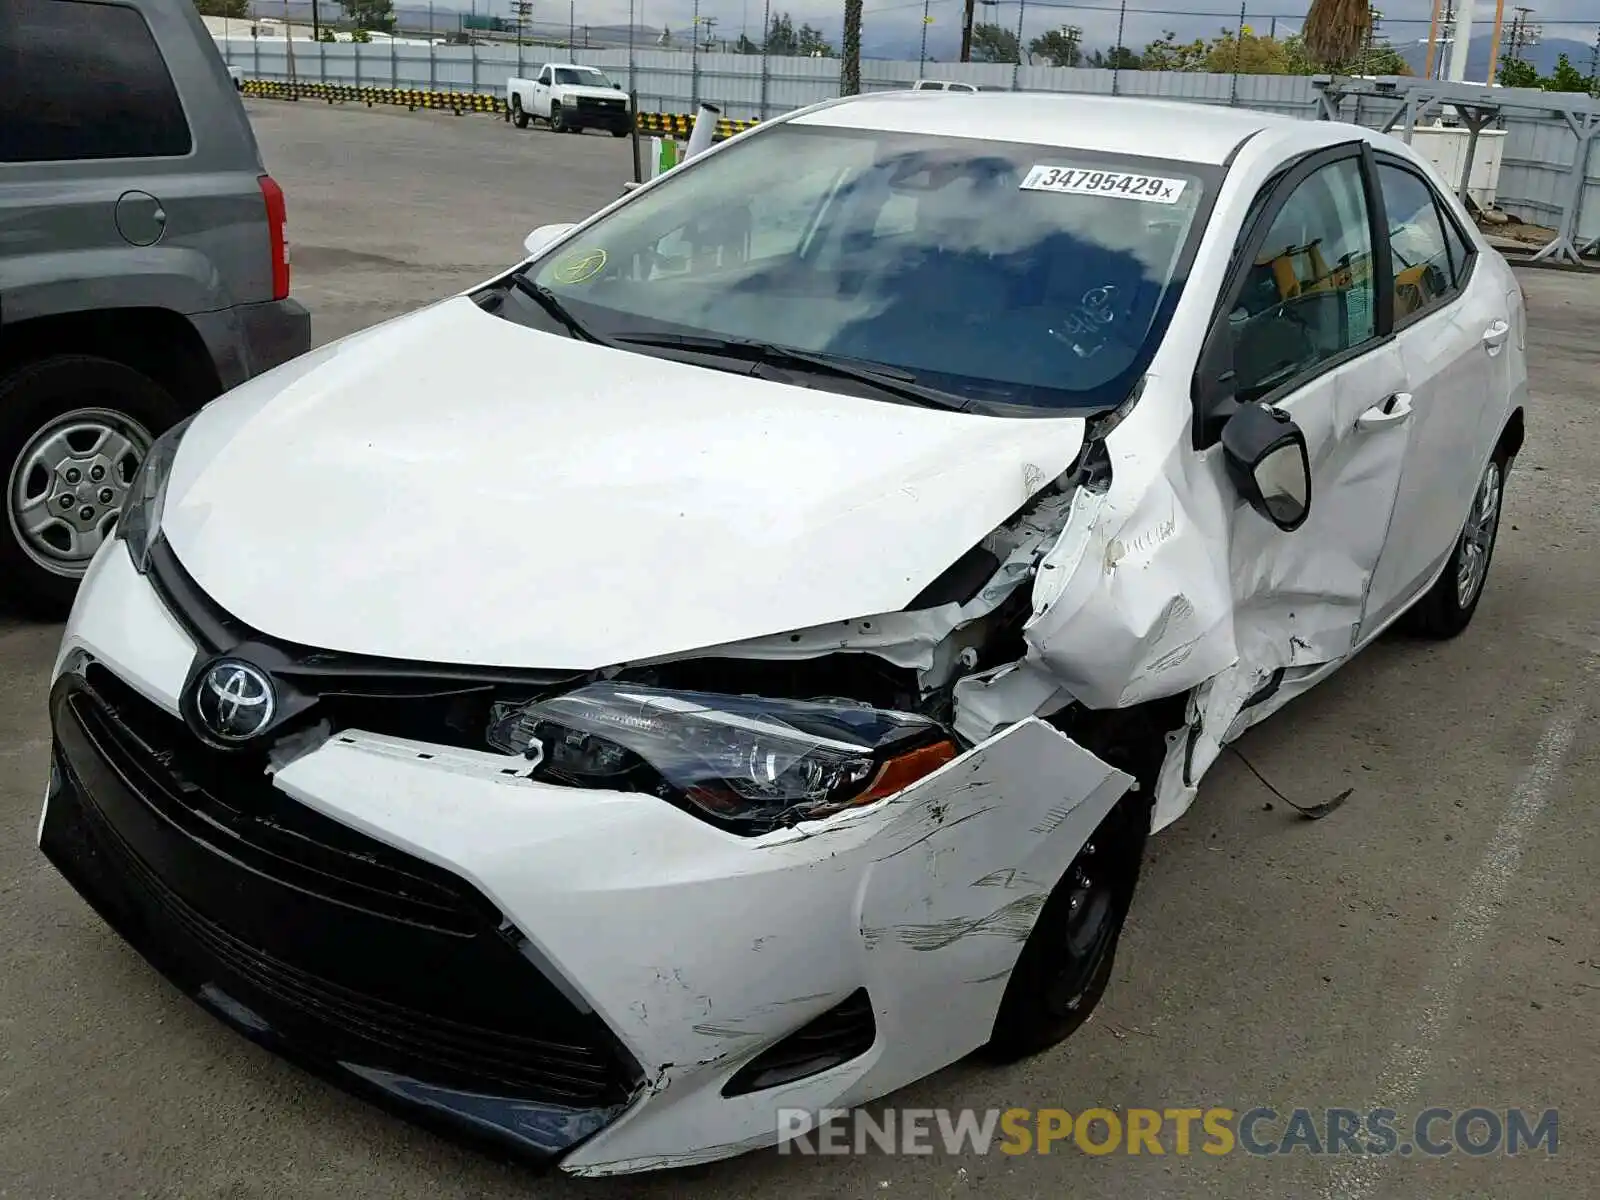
(733, 662)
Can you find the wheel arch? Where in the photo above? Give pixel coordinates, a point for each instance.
(1511, 437)
(156, 342)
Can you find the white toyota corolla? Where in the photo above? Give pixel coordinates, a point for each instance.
(732, 662)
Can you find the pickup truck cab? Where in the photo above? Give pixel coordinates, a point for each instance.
(569, 98)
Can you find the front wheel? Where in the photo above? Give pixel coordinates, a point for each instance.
(622, 132)
(1447, 607)
(73, 429)
(558, 119)
(1066, 963)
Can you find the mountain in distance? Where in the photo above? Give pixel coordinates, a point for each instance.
(1541, 56)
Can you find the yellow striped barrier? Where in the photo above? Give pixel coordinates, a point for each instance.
(670, 124)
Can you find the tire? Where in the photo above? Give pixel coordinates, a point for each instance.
(517, 113)
(620, 132)
(1053, 986)
(62, 420)
(1446, 609)
(558, 120)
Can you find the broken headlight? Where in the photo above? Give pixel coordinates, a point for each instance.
(139, 522)
(740, 759)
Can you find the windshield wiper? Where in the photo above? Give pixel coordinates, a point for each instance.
(547, 300)
(888, 380)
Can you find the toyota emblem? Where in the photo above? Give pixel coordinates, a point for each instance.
(234, 701)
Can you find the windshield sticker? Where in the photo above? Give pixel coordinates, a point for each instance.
(577, 268)
(1124, 184)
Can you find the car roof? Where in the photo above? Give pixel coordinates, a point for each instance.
(1200, 133)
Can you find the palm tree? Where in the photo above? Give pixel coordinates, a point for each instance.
(850, 68)
(1336, 29)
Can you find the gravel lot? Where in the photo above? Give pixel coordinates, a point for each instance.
(1434, 942)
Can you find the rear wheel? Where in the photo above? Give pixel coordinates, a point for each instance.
(1447, 607)
(73, 429)
(517, 113)
(620, 131)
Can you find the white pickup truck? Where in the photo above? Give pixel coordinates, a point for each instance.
(571, 98)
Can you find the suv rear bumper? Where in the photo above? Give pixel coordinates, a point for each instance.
(249, 339)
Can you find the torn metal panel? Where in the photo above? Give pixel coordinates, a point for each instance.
(1134, 601)
(921, 640)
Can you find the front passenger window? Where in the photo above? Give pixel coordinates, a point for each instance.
(1309, 294)
(1421, 257)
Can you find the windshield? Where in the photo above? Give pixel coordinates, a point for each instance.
(581, 76)
(1010, 275)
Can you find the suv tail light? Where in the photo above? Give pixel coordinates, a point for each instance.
(277, 219)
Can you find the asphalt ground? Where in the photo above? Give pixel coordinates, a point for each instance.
(1433, 942)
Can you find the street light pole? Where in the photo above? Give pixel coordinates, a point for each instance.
(966, 32)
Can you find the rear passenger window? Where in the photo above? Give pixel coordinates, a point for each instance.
(1424, 276)
(1308, 296)
(1461, 250)
(84, 81)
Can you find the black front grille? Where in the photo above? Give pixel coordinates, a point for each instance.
(227, 799)
(353, 954)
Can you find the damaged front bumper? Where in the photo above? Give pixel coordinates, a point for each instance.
(579, 974)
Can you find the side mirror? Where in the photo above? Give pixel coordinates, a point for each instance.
(1269, 464)
(544, 236)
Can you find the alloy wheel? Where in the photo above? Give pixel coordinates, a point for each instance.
(67, 486)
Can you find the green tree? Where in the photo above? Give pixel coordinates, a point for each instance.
(745, 46)
(1246, 54)
(811, 43)
(369, 14)
(1565, 78)
(1118, 58)
(1169, 54)
(1516, 73)
(994, 44)
(326, 35)
(360, 35)
(1060, 47)
(780, 37)
(223, 8)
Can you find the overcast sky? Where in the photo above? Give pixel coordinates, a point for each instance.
(895, 20)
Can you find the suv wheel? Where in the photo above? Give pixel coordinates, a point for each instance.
(73, 430)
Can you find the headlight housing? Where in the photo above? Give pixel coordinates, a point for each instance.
(140, 520)
(748, 762)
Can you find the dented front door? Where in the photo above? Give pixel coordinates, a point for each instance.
(1313, 329)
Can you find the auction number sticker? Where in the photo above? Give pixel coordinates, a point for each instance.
(1076, 181)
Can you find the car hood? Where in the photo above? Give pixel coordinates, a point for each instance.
(455, 488)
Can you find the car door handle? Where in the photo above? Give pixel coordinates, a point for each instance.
(1391, 412)
(1495, 336)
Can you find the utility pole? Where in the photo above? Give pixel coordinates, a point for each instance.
(316, 24)
(523, 9)
(966, 32)
(288, 40)
(922, 60)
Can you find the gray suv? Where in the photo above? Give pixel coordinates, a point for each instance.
(144, 267)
